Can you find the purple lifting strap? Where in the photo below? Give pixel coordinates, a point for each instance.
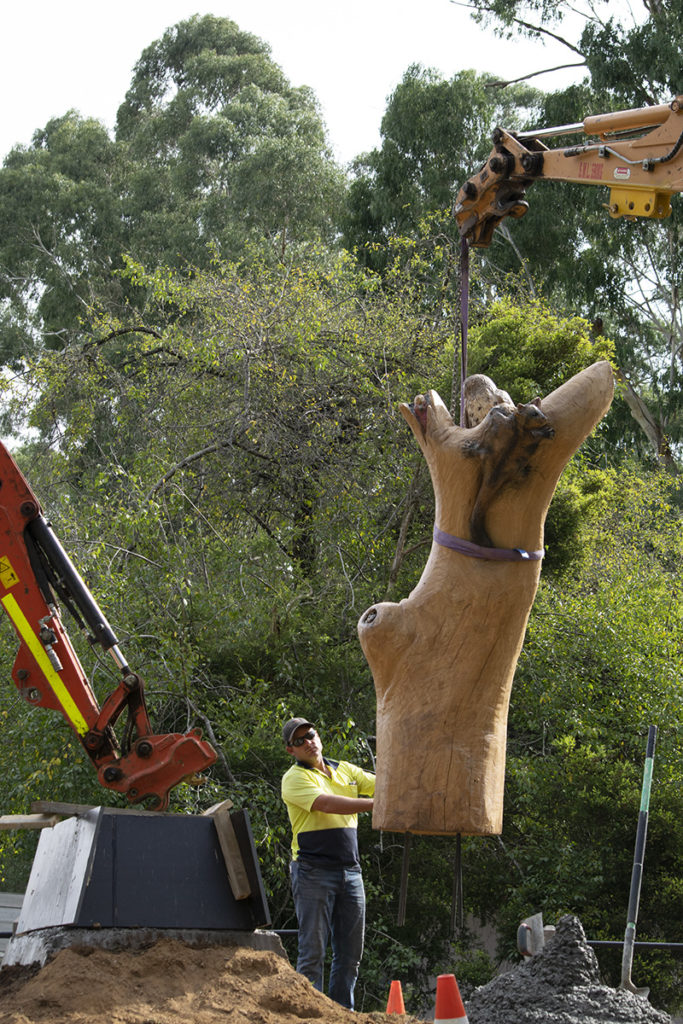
(466, 547)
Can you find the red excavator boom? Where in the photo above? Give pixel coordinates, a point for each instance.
(36, 572)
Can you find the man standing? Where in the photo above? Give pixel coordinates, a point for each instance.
(323, 799)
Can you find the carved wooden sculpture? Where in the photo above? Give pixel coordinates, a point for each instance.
(443, 659)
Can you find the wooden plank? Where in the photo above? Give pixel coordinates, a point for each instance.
(16, 821)
(210, 811)
(67, 810)
(59, 874)
(237, 874)
(54, 807)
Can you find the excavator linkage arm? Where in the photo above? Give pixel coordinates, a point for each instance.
(638, 155)
(35, 572)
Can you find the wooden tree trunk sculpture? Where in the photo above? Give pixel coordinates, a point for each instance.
(443, 659)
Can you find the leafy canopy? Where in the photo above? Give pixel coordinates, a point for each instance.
(213, 147)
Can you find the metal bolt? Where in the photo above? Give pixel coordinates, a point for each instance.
(92, 740)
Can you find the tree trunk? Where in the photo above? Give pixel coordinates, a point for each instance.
(443, 659)
(648, 424)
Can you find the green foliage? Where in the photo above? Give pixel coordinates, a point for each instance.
(217, 442)
(529, 351)
(61, 228)
(433, 133)
(617, 273)
(636, 63)
(623, 277)
(600, 664)
(231, 143)
(212, 146)
(233, 480)
(229, 482)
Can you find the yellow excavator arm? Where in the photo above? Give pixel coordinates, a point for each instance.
(638, 155)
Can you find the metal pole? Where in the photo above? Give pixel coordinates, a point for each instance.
(403, 889)
(637, 872)
(464, 317)
(457, 909)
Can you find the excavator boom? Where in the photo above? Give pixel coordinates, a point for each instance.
(34, 572)
(637, 154)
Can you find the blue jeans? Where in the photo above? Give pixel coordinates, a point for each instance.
(329, 903)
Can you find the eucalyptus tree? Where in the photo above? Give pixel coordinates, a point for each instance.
(213, 147)
(433, 132)
(630, 51)
(61, 232)
(224, 143)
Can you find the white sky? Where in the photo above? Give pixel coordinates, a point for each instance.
(62, 54)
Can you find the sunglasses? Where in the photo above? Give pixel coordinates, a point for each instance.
(302, 739)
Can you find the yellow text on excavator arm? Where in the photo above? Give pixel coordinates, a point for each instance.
(638, 155)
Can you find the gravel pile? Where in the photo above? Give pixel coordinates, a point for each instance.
(559, 985)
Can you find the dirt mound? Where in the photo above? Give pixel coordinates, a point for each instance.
(169, 983)
(560, 985)
(174, 983)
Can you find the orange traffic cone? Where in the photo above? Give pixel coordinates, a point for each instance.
(449, 1008)
(395, 1004)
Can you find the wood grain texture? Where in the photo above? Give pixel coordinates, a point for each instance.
(443, 659)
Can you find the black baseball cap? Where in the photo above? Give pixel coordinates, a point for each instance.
(290, 727)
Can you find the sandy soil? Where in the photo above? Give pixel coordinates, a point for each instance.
(169, 983)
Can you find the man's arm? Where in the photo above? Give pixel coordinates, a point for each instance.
(330, 804)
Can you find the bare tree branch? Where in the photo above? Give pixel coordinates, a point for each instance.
(206, 722)
(533, 74)
(648, 424)
(96, 342)
(209, 449)
(536, 29)
(411, 504)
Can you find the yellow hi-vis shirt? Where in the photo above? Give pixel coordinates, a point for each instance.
(324, 840)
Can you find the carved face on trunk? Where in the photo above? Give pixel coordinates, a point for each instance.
(505, 445)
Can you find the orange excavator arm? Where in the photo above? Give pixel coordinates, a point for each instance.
(637, 154)
(35, 572)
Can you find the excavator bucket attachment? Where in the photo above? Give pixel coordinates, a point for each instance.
(155, 765)
(498, 190)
